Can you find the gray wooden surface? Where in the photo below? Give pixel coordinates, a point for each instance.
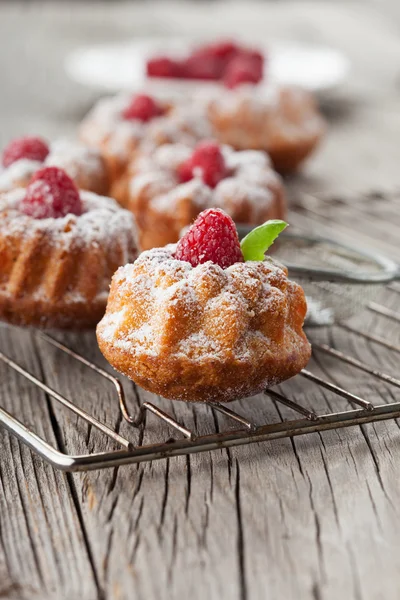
(315, 518)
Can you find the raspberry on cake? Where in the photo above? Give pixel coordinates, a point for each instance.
(218, 330)
(142, 108)
(24, 156)
(241, 70)
(212, 237)
(120, 126)
(284, 122)
(58, 250)
(207, 160)
(28, 147)
(170, 186)
(51, 194)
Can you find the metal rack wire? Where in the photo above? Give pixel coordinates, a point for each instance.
(246, 433)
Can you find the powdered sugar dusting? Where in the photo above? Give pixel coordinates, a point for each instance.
(74, 158)
(102, 219)
(259, 97)
(218, 298)
(105, 124)
(203, 333)
(252, 183)
(18, 174)
(262, 117)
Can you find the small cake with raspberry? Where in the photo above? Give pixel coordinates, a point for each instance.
(283, 121)
(173, 184)
(206, 319)
(24, 156)
(58, 250)
(118, 126)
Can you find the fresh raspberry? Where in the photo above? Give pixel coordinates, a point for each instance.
(32, 148)
(142, 107)
(203, 67)
(162, 66)
(185, 171)
(213, 237)
(51, 194)
(254, 56)
(224, 49)
(207, 161)
(242, 70)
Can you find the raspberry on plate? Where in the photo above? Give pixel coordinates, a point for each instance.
(28, 147)
(203, 66)
(212, 237)
(242, 69)
(254, 56)
(224, 49)
(216, 61)
(143, 107)
(162, 66)
(51, 194)
(207, 160)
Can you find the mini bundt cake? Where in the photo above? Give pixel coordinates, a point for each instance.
(173, 184)
(24, 156)
(119, 125)
(58, 250)
(194, 322)
(284, 122)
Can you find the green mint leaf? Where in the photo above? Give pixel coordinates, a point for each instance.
(257, 242)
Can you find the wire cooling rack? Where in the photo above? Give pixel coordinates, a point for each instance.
(247, 432)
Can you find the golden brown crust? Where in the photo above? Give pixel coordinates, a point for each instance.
(203, 333)
(56, 272)
(288, 128)
(28, 312)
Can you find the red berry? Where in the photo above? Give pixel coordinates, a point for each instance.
(242, 70)
(213, 237)
(142, 108)
(162, 66)
(51, 194)
(32, 148)
(203, 67)
(185, 171)
(254, 56)
(223, 51)
(207, 161)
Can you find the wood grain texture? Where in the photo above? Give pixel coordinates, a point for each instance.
(42, 547)
(316, 518)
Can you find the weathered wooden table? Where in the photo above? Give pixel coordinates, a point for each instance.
(317, 517)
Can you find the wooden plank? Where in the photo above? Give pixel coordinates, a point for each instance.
(135, 516)
(42, 545)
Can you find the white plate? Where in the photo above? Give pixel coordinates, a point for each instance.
(117, 67)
